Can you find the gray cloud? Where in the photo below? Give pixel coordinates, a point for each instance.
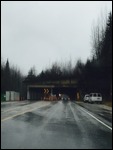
(39, 33)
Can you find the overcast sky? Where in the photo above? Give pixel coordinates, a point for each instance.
(38, 33)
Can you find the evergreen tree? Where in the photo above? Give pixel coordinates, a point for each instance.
(7, 76)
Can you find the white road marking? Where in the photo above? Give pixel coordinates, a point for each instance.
(26, 104)
(11, 109)
(21, 113)
(66, 112)
(72, 112)
(95, 118)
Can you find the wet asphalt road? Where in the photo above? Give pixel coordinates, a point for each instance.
(100, 111)
(56, 125)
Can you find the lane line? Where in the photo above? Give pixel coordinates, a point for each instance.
(66, 112)
(95, 118)
(21, 104)
(72, 111)
(11, 109)
(21, 113)
(16, 108)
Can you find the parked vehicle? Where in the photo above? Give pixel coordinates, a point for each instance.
(86, 98)
(95, 97)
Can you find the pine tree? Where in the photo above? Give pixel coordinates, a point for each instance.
(7, 76)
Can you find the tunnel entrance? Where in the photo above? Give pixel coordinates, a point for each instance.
(38, 93)
(71, 92)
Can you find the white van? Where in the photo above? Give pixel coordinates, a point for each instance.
(95, 97)
(86, 98)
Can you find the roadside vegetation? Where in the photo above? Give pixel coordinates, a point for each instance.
(93, 76)
(11, 79)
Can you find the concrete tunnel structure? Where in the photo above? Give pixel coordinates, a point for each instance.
(38, 92)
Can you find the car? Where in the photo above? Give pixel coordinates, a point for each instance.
(65, 98)
(86, 98)
(95, 97)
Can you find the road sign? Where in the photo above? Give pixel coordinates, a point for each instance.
(46, 91)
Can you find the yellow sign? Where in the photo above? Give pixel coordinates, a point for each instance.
(46, 91)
